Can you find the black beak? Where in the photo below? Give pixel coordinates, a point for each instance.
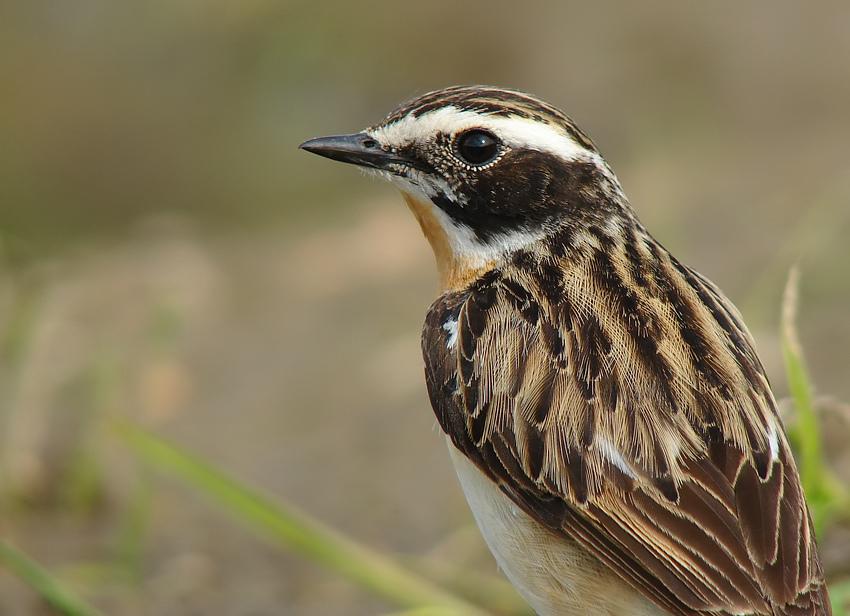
(359, 149)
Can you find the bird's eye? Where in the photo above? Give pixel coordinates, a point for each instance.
(477, 147)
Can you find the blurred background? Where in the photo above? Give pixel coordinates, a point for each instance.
(169, 255)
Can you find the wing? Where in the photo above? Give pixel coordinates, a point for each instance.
(622, 404)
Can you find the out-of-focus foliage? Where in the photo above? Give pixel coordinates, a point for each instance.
(167, 254)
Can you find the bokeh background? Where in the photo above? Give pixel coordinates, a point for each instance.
(168, 254)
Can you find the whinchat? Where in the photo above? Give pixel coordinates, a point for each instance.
(608, 417)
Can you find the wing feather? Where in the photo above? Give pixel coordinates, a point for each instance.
(639, 424)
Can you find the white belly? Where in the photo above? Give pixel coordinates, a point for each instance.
(556, 575)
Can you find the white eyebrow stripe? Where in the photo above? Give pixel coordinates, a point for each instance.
(515, 131)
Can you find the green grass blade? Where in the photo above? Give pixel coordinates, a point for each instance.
(839, 595)
(808, 435)
(294, 529)
(492, 592)
(133, 529)
(45, 584)
(826, 494)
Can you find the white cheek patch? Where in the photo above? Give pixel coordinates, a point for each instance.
(462, 239)
(514, 131)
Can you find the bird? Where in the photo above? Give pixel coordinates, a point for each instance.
(609, 419)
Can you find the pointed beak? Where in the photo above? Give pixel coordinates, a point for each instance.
(360, 149)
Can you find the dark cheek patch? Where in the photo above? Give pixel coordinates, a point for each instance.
(525, 190)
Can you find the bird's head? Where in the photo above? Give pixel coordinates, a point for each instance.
(486, 171)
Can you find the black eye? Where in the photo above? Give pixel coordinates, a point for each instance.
(477, 147)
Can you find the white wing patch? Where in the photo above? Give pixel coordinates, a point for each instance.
(772, 439)
(450, 326)
(610, 453)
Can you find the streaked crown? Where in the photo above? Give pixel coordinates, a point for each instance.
(493, 102)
